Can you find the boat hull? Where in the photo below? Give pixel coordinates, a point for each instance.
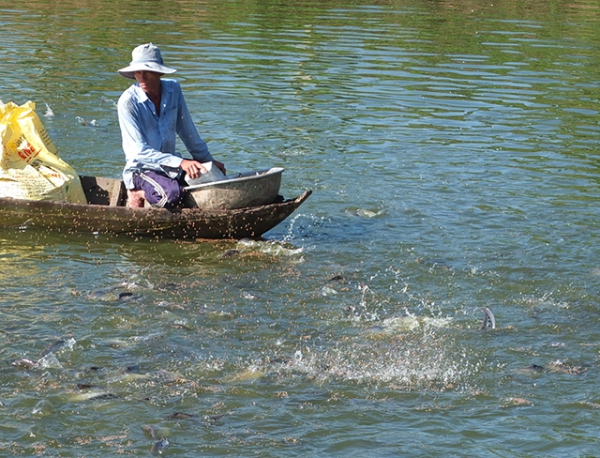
(103, 218)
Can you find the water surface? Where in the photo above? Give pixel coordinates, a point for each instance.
(451, 149)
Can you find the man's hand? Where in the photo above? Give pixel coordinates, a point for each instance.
(193, 169)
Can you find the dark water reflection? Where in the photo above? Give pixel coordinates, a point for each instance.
(451, 147)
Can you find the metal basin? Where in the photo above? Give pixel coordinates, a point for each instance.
(248, 189)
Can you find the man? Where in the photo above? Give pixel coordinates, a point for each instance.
(151, 112)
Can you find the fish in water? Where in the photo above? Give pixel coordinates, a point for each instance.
(132, 368)
(230, 253)
(159, 446)
(535, 368)
(182, 415)
(86, 386)
(149, 430)
(110, 296)
(92, 394)
(215, 420)
(180, 326)
(489, 321)
(24, 362)
(53, 347)
(125, 296)
(83, 122)
(103, 396)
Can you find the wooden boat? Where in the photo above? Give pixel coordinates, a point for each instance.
(106, 212)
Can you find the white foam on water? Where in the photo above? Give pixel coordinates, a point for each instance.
(363, 212)
(69, 344)
(271, 248)
(327, 291)
(414, 364)
(42, 407)
(251, 372)
(296, 220)
(407, 353)
(49, 113)
(411, 323)
(49, 361)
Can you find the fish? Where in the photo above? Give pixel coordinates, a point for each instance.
(125, 295)
(53, 347)
(110, 295)
(182, 415)
(168, 287)
(86, 386)
(531, 369)
(230, 253)
(159, 446)
(103, 396)
(24, 362)
(149, 430)
(535, 368)
(489, 321)
(375, 329)
(91, 395)
(215, 420)
(83, 122)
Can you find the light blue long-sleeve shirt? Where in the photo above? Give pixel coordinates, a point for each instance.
(149, 139)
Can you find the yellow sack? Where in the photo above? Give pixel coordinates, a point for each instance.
(29, 164)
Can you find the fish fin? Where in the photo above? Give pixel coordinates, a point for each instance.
(489, 321)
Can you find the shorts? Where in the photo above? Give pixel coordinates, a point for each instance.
(159, 189)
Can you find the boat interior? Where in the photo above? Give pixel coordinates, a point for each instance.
(104, 191)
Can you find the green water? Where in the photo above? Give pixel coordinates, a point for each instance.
(452, 152)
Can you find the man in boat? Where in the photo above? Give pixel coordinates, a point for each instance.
(151, 112)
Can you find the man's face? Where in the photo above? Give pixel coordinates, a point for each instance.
(148, 81)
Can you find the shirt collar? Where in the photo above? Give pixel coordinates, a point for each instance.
(142, 96)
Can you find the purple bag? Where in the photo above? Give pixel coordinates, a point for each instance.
(159, 189)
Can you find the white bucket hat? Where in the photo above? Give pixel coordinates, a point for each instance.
(145, 58)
